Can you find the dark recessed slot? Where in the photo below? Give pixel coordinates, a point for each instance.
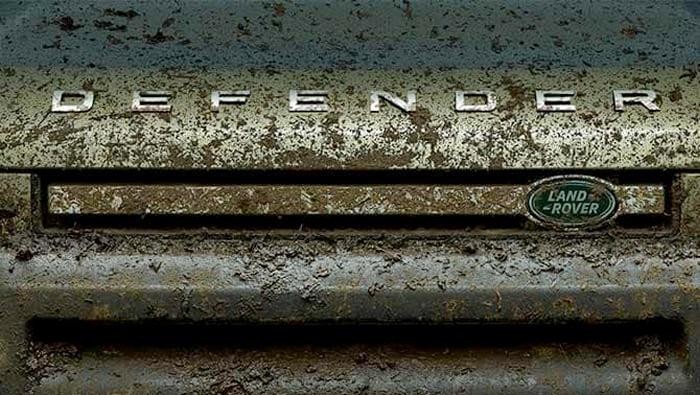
(511, 224)
(645, 222)
(168, 357)
(217, 334)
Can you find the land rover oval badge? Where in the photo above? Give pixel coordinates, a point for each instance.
(572, 202)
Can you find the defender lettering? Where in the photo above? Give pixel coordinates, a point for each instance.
(316, 100)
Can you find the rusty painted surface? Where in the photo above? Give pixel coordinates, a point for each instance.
(317, 199)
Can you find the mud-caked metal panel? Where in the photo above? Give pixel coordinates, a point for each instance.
(382, 278)
(263, 134)
(505, 47)
(101, 52)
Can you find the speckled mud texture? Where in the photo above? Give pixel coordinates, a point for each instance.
(263, 134)
(158, 303)
(348, 49)
(362, 34)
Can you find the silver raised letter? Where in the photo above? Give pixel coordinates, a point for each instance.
(308, 101)
(151, 101)
(87, 100)
(461, 106)
(555, 101)
(407, 106)
(643, 97)
(227, 97)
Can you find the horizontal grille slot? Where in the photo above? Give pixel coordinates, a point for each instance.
(296, 203)
(102, 357)
(316, 200)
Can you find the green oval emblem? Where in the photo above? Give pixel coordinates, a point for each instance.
(572, 202)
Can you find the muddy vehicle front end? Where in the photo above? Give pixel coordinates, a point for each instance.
(381, 197)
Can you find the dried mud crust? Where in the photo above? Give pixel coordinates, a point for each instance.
(648, 364)
(45, 360)
(264, 247)
(308, 264)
